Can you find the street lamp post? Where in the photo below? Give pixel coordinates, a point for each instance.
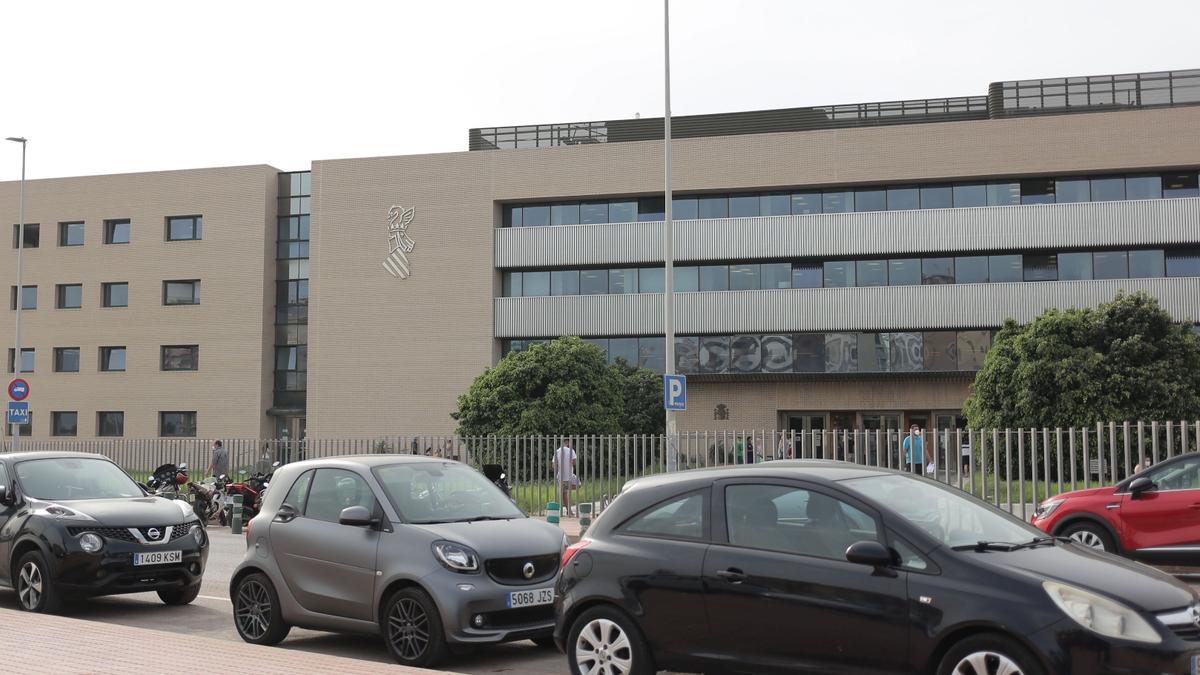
(668, 241)
(16, 429)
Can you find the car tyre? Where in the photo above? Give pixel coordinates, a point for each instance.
(257, 614)
(179, 596)
(989, 653)
(604, 639)
(36, 590)
(1090, 535)
(412, 629)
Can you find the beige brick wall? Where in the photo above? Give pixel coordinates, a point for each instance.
(232, 389)
(389, 356)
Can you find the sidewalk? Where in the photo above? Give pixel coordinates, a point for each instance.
(39, 644)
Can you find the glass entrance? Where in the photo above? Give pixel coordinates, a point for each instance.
(810, 434)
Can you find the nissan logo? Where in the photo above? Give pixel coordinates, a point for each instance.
(153, 533)
(528, 570)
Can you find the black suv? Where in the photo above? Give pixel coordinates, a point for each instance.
(75, 525)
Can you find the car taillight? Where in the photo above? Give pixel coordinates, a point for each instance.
(572, 550)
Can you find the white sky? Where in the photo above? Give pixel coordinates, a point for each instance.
(119, 86)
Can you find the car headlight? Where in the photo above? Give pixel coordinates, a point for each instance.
(90, 542)
(456, 557)
(1047, 507)
(198, 534)
(1101, 615)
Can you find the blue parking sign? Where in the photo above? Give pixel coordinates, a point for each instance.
(674, 392)
(18, 412)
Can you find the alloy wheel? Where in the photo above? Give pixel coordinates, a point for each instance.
(987, 663)
(602, 648)
(1088, 538)
(408, 629)
(29, 586)
(253, 610)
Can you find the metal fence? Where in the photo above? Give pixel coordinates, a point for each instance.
(1012, 468)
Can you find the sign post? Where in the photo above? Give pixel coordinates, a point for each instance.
(18, 407)
(674, 399)
(18, 389)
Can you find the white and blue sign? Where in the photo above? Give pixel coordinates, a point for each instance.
(18, 412)
(18, 389)
(675, 392)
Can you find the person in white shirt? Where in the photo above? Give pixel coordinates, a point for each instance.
(564, 473)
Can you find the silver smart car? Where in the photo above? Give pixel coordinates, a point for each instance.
(426, 552)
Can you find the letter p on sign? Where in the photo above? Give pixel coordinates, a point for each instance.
(674, 392)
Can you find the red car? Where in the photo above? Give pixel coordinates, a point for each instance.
(1152, 515)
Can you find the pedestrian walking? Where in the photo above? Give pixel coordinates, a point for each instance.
(564, 473)
(219, 465)
(914, 450)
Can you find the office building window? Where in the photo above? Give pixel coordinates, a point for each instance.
(66, 359)
(1180, 185)
(937, 271)
(116, 231)
(776, 275)
(27, 359)
(535, 283)
(1041, 268)
(564, 214)
(1075, 266)
(839, 273)
(687, 208)
(1004, 193)
(185, 228)
(110, 423)
(64, 423)
(745, 277)
(970, 194)
(872, 273)
(28, 297)
(775, 205)
(714, 278)
(937, 197)
(1067, 190)
(69, 296)
(181, 357)
(806, 202)
(511, 284)
(1143, 187)
(713, 207)
(70, 234)
(1109, 264)
(566, 282)
(181, 292)
(1183, 264)
(177, 424)
(808, 275)
(837, 202)
(1005, 268)
(1146, 264)
(904, 272)
(903, 198)
(743, 206)
(590, 213)
(32, 235)
(1037, 191)
(622, 212)
(652, 209)
(593, 282)
(112, 359)
(870, 200)
(114, 294)
(623, 281)
(687, 279)
(1110, 189)
(650, 280)
(971, 270)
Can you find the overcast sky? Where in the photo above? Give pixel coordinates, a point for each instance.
(112, 87)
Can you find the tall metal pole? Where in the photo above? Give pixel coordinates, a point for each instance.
(668, 241)
(15, 430)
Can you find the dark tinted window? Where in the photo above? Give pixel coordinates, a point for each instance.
(110, 424)
(1037, 191)
(299, 493)
(971, 270)
(512, 216)
(1111, 265)
(32, 236)
(177, 424)
(66, 359)
(904, 272)
(937, 270)
(64, 423)
(1180, 185)
(808, 352)
(903, 198)
(183, 357)
(654, 208)
(680, 518)
(1003, 268)
(334, 490)
(1041, 267)
(1074, 266)
(1146, 264)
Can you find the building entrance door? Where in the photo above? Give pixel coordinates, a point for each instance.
(887, 424)
(810, 433)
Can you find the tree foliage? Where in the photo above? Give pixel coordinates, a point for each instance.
(560, 387)
(1124, 360)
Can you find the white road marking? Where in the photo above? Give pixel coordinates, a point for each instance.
(213, 597)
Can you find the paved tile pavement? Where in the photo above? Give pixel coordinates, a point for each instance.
(37, 644)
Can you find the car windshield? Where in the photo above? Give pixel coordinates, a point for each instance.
(443, 492)
(949, 516)
(68, 478)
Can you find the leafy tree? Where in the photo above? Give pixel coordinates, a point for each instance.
(560, 387)
(1124, 360)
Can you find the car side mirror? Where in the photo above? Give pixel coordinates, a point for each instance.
(870, 553)
(356, 516)
(1140, 485)
(4, 496)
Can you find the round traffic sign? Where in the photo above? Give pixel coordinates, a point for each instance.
(18, 390)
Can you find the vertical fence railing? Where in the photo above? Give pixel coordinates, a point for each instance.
(1013, 469)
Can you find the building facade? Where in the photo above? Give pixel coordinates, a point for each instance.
(836, 267)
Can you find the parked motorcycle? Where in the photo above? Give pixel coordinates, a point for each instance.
(166, 480)
(206, 500)
(496, 474)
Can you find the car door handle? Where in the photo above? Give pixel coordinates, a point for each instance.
(733, 575)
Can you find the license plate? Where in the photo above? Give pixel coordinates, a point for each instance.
(157, 558)
(539, 596)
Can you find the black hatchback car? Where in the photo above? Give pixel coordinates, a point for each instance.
(825, 567)
(75, 525)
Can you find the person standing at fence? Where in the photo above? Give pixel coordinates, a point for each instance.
(564, 473)
(914, 447)
(219, 466)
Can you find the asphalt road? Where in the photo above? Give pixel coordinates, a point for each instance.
(211, 616)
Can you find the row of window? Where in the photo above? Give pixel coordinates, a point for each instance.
(176, 228)
(291, 295)
(873, 198)
(907, 352)
(1068, 266)
(112, 294)
(111, 359)
(111, 423)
